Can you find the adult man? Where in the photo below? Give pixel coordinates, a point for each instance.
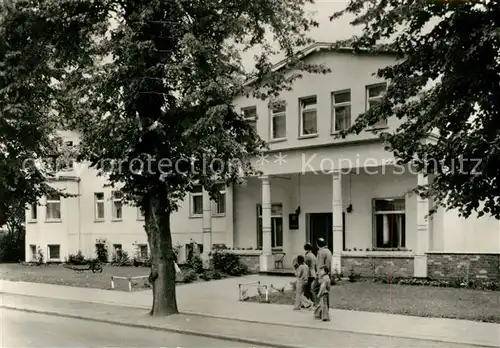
(324, 257)
(310, 261)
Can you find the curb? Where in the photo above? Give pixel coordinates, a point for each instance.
(156, 328)
(359, 332)
(243, 340)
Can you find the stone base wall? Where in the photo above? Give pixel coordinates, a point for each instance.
(251, 260)
(463, 266)
(378, 266)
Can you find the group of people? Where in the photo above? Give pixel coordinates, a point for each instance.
(313, 280)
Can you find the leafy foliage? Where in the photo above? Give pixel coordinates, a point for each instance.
(228, 263)
(446, 81)
(77, 259)
(154, 82)
(27, 97)
(195, 263)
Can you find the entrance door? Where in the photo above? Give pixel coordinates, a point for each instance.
(321, 226)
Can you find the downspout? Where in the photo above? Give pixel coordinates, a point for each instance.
(79, 219)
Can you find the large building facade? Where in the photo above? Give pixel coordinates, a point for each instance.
(348, 191)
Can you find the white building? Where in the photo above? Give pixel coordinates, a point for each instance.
(314, 185)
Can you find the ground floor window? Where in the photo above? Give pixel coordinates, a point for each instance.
(143, 251)
(389, 223)
(33, 252)
(276, 226)
(54, 252)
(118, 250)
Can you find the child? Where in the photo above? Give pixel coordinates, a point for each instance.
(322, 311)
(302, 272)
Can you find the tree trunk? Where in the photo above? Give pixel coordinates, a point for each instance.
(162, 276)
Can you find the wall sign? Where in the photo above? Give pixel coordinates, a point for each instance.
(293, 221)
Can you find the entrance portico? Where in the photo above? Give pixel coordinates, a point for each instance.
(266, 258)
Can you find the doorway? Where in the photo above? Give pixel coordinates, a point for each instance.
(320, 225)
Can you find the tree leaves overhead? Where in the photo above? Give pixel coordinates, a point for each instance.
(163, 84)
(28, 94)
(446, 81)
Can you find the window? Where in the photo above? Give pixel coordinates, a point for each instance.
(196, 203)
(341, 111)
(276, 225)
(140, 214)
(53, 206)
(33, 212)
(389, 223)
(33, 252)
(308, 116)
(99, 206)
(118, 250)
(54, 252)
(219, 205)
(250, 115)
(143, 251)
(278, 120)
(374, 96)
(117, 205)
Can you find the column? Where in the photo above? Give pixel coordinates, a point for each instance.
(206, 226)
(338, 227)
(230, 216)
(420, 261)
(266, 258)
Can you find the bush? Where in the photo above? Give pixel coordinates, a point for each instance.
(228, 263)
(354, 276)
(195, 263)
(190, 275)
(101, 251)
(211, 274)
(12, 246)
(444, 283)
(121, 259)
(76, 259)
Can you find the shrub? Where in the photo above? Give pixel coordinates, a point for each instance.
(211, 274)
(121, 259)
(101, 251)
(39, 256)
(190, 275)
(353, 276)
(76, 259)
(195, 263)
(229, 263)
(444, 283)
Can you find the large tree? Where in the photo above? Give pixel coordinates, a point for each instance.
(446, 81)
(27, 121)
(155, 107)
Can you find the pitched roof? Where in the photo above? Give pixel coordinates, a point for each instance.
(344, 46)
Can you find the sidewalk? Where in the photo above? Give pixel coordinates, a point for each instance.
(264, 335)
(219, 299)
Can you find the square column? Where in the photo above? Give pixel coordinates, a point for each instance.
(206, 226)
(338, 227)
(229, 216)
(266, 258)
(420, 261)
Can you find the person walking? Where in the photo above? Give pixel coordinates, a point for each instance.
(302, 273)
(322, 309)
(310, 260)
(324, 257)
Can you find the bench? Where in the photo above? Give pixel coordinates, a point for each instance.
(279, 256)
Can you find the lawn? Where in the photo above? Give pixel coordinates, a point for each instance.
(57, 274)
(423, 301)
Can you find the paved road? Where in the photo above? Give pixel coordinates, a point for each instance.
(22, 329)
